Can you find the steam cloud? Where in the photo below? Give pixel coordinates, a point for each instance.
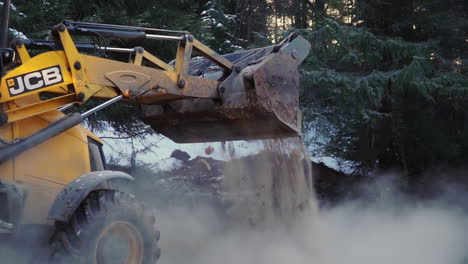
(383, 228)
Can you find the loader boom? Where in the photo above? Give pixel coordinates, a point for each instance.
(232, 89)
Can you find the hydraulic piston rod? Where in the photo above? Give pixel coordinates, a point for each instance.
(14, 149)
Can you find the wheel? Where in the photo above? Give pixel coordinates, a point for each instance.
(109, 227)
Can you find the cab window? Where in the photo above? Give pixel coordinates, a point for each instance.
(96, 156)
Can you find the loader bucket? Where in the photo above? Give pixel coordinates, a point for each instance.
(258, 100)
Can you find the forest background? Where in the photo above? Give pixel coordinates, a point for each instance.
(385, 86)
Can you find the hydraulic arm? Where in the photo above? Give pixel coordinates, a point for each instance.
(246, 95)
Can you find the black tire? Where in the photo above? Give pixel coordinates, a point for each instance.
(106, 217)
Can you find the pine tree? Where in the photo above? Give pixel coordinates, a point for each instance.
(385, 102)
(217, 28)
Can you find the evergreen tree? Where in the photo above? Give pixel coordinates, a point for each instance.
(217, 28)
(385, 102)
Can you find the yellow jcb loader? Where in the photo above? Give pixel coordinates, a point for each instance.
(53, 176)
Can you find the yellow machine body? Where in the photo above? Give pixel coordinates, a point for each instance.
(44, 170)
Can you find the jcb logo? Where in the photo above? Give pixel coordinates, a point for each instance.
(34, 80)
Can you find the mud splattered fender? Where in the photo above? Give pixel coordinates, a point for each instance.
(12, 200)
(75, 192)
